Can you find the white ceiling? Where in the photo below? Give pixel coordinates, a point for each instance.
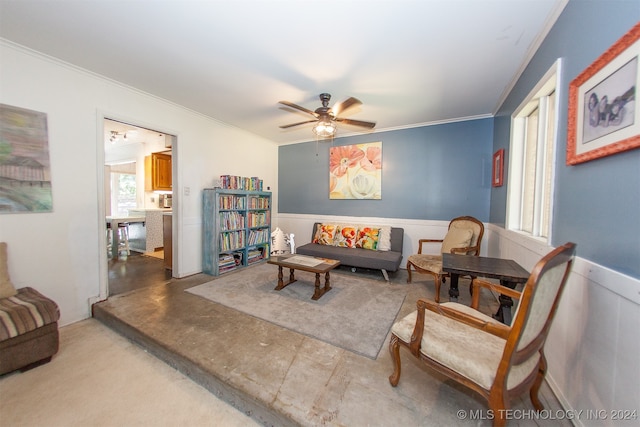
(410, 62)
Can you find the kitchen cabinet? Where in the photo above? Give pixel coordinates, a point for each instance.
(157, 172)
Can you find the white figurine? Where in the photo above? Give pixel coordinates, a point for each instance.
(292, 244)
(282, 243)
(278, 242)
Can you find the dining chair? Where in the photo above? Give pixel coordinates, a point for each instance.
(463, 237)
(123, 238)
(495, 360)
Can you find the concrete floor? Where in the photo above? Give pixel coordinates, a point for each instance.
(279, 377)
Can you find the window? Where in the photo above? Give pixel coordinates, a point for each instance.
(125, 192)
(532, 159)
(123, 188)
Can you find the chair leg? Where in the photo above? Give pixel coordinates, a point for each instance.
(499, 418)
(533, 393)
(109, 239)
(437, 282)
(123, 232)
(394, 350)
(498, 407)
(409, 264)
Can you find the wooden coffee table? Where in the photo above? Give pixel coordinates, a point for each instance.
(305, 263)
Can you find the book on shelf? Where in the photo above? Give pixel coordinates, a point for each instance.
(258, 236)
(258, 203)
(230, 240)
(230, 220)
(233, 182)
(226, 262)
(229, 261)
(230, 201)
(257, 219)
(254, 255)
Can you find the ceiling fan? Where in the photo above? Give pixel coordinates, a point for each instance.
(326, 118)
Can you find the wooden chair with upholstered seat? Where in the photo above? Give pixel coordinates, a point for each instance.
(463, 237)
(497, 361)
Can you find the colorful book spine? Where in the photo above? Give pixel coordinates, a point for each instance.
(233, 182)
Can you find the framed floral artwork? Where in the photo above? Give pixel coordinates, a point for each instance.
(603, 118)
(355, 171)
(498, 168)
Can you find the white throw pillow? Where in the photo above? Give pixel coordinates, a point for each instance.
(456, 238)
(384, 244)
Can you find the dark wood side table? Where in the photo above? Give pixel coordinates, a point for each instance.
(509, 272)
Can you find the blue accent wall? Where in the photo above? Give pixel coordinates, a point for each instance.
(597, 203)
(433, 172)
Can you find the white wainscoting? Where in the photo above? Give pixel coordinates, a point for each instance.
(302, 225)
(593, 346)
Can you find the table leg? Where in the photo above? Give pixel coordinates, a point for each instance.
(453, 288)
(504, 311)
(280, 282)
(327, 282)
(317, 293)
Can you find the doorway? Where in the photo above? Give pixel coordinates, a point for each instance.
(134, 208)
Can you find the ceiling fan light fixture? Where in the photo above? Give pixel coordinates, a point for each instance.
(325, 129)
(326, 118)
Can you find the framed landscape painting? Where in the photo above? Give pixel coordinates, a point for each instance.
(355, 171)
(603, 114)
(25, 177)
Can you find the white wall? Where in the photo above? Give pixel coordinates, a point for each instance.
(63, 253)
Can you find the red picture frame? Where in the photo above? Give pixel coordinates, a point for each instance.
(498, 168)
(606, 87)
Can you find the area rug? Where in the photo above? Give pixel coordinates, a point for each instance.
(356, 314)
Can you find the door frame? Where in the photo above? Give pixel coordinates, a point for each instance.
(175, 199)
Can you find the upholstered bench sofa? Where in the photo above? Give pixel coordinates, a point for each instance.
(28, 324)
(358, 246)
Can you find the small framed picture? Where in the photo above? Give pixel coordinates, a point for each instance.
(498, 166)
(603, 118)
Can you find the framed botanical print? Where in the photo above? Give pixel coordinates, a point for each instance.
(355, 171)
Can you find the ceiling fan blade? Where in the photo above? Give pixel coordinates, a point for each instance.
(345, 105)
(361, 123)
(297, 107)
(297, 124)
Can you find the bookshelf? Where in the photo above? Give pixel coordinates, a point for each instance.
(237, 229)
